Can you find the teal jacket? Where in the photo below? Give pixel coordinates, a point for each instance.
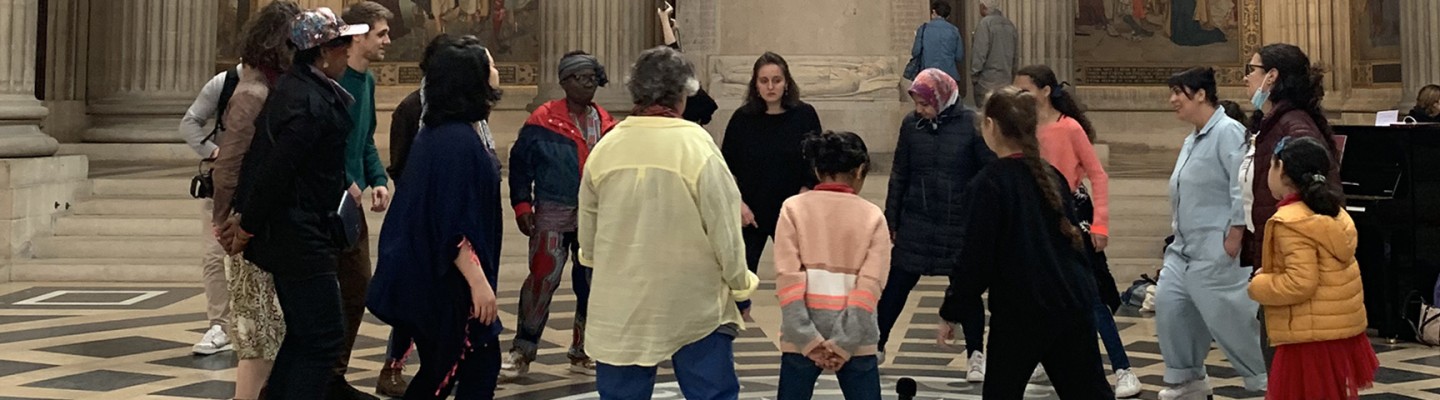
(362, 160)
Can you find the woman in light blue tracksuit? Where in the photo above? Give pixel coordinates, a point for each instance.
(1202, 289)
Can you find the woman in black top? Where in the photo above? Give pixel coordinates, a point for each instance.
(762, 147)
(1022, 242)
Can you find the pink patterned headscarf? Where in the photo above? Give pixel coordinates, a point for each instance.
(935, 87)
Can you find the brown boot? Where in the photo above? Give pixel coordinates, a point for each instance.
(392, 380)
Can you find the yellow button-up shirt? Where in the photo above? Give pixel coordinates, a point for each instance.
(659, 221)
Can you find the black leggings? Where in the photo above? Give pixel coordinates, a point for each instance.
(897, 292)
(1062, 341)
(446, 362)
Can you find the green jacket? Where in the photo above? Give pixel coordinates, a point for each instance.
(362, 160)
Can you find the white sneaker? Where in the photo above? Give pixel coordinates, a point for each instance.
(214, 341)
(1126, 384)
(1039, 374)
(1192, 390)
(514, 367)
(977, 368)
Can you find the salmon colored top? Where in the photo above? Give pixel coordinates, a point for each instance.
(1063, 144)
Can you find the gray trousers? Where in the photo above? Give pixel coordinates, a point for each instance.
(217, 289)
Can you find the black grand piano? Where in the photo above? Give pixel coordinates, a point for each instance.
(1392, 190)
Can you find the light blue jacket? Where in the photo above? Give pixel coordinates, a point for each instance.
(1205, 195)
(938, 45)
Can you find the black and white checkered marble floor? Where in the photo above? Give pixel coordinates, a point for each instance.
(105, 341)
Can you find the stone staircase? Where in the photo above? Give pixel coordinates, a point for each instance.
(144, 227)
(1139, 223)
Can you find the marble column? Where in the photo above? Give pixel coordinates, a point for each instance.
(149, 59)
(20, 111)
(1420, 64)
(1321, 28)
(1047, 33)
(614, 31)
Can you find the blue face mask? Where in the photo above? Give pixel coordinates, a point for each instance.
(1261, 96)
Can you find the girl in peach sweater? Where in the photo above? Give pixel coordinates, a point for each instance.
(832, 255)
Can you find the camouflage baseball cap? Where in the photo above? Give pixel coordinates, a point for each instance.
(316, 27)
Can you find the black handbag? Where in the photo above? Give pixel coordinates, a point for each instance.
(912, 68)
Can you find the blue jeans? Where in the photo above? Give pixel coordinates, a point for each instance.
(705, 370)
(859, 378)
(1110, 335)
(314, 336)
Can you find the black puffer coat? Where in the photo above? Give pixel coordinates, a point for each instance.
(927, 187)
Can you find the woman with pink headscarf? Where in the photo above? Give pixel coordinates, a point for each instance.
(938, 152)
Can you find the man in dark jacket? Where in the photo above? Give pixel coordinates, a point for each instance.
(545, 169)
(937, 42)
(292, 178)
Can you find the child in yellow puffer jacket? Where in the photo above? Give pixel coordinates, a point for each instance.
(1310, 283)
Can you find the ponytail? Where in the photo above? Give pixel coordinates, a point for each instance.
(1305, 161)
(1065, 103)
(1014, 112)
(1060, 98)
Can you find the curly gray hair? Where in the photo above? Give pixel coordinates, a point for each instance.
(661, 76)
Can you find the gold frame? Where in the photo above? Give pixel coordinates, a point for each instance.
(1227, 74)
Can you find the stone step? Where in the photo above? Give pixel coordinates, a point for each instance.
(1148, 206)
(1135, 246)
(122, 247)
(1127, 270)
(150, 187)
(1128, 224)
(124, 225)
(139, 205)
(1140, 187)
(107, 270)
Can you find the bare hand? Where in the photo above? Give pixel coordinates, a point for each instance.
(380, 199)
(1232, 241)
(1100, 241)
(232, 238)
(355, 193)
(747, 217)
(483, 304)
(666, 12)
(526, 222)
(215, 154)
(944, 334)
(825, 359)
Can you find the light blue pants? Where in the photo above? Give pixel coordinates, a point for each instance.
(1202, 297)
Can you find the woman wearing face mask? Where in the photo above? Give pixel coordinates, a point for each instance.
(762, 148)
(1202, 285)
(1286, 92)
(937, 154)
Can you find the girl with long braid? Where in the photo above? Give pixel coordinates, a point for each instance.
(1022, 243)
(1067, 140)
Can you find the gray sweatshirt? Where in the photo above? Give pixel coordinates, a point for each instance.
(204, 109)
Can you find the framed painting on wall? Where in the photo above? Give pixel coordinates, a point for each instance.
(1143, 42)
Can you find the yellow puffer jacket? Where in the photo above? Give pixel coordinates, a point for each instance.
(1310, 284)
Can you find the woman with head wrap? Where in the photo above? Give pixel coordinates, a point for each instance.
(544, 184)
(938, 152)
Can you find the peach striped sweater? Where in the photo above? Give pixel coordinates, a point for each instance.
(832, 256)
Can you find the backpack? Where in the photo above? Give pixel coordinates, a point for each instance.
(202, 186)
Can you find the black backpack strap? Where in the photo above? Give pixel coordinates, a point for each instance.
(232, 79)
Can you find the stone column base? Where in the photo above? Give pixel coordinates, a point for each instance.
(25, 141)
(32, 192)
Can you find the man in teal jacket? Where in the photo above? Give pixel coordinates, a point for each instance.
(363, 170)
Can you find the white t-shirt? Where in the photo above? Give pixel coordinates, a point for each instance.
(1247, 178)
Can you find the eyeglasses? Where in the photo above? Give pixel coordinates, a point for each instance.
(586, 78)
(1250, 68)
(1279, 147)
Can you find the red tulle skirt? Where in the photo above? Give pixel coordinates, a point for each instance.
(1329, 370)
